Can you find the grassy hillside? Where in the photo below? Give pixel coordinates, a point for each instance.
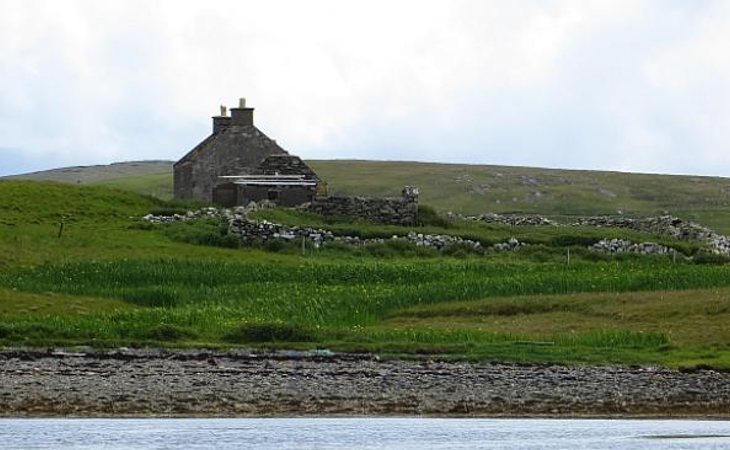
(93, 174)
(109, 279)
(475, 189)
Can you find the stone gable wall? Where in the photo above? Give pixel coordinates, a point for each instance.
(234, 151)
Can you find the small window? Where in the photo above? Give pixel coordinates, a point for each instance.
(274, 195)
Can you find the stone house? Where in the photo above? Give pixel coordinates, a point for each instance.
(283, 179)
(238, 163)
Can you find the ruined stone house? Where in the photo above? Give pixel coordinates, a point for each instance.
(238, 163)
(283, 179)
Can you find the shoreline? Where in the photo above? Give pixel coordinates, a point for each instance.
(163, 383)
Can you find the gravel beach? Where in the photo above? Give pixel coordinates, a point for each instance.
(241, 383)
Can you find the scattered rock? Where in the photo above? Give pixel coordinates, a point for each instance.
(241, 382)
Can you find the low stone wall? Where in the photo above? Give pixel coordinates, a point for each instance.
(661, 225)
(513, 220)
(394, 211)
(665, 225)
(251, 232)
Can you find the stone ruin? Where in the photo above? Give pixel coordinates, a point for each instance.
(395, 211)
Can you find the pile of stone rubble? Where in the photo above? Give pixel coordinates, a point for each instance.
(511, 245)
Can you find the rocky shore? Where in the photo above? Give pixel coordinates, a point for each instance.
(241, 383)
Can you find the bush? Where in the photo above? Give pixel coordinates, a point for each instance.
(202, 232)
(543, 254)
(707, 257)
(428, 216)
(33, 331)
(570, 240)
(150, 296)
(269, 332)
(172, 207)
(392, 248)
(167, 332)
(275, 245)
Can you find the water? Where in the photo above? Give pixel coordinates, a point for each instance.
(361, 433)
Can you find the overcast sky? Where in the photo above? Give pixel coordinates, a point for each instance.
(631, 85)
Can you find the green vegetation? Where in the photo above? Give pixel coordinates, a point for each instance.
(109, 279)
(473, 189)
(155, 184)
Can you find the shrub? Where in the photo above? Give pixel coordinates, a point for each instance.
(167, 332)
(275, 245)
(428, 216)
(150, 296)
(615, 339)
(392, 248)
(202, 232)
(570, 240)
(707, 257)
(172, 207)
(269, 332)
(543, 254)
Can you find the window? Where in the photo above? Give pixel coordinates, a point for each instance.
(273, 195)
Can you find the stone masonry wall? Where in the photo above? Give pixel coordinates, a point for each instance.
(396, 211)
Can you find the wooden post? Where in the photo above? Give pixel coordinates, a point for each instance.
(60, 229)
(304, 246)
(568, 255)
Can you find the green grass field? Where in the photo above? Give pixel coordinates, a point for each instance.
(475, 189)
(108, 279)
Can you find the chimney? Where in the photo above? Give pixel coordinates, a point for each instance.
(222, 121)
(242, 115)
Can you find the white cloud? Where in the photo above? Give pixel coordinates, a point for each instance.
(620, 84)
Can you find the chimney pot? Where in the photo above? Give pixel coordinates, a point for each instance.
(241, 102)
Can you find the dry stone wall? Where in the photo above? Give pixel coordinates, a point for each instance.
(394, 211)
(661, 225)
(257, 232)
(252, 231)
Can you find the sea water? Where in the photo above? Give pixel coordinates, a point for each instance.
(361, 433)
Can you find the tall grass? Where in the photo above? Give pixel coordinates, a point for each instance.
(343, 294)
